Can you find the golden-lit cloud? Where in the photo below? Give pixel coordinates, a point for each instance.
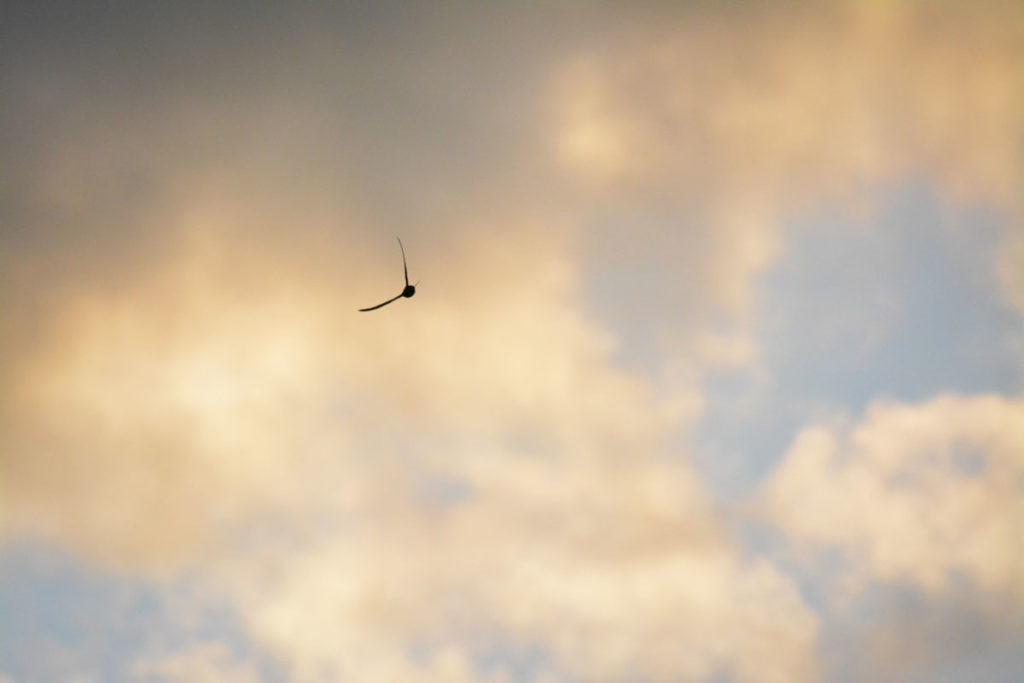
(841, 98)
(471, 465)
(928, 494)
(131, 431)
(744, 124)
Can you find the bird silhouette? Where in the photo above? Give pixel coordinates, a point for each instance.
(407, 292)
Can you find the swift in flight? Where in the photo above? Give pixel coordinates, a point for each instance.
(407, 292)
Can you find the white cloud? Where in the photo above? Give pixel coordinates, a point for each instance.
(208, 662)
(925, 494)
(604, 562)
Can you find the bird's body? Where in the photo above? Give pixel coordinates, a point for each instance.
(407, 292)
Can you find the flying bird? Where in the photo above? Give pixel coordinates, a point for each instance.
(407, 292)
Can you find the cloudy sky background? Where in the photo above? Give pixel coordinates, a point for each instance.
(715, 370)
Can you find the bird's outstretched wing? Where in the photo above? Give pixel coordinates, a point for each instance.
(405, 268)
(374, 308)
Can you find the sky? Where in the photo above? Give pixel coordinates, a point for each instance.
(714, 370)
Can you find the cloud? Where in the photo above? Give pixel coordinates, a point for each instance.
(497, 476)
(607, 567)
(201, 396)
(202, 662)
(744, 124)
(841, 98)
(907, 525)
(925, 494)
(129, 423)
